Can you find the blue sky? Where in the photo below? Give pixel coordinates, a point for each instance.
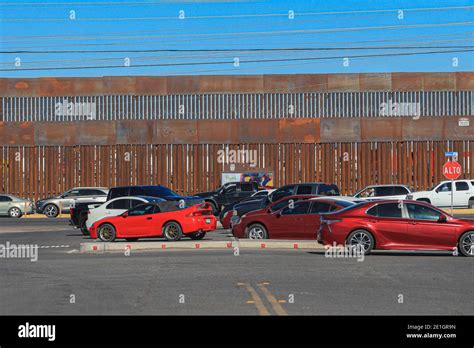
(337, 29)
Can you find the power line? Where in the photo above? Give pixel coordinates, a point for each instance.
(227, 62)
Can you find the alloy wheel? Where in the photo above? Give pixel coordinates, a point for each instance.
(467, 244)
(256, 232)
(360, 240)
(15, 212)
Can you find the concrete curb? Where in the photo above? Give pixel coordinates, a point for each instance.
(94, 247)
(41, 216)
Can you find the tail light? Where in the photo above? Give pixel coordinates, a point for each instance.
(329, 221)
(201, 209)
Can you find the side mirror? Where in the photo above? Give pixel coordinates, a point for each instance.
(442, 218)
(124, 215)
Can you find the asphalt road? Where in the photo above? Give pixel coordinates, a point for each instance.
(273, 282)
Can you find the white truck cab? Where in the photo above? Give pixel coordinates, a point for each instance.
(440, 194)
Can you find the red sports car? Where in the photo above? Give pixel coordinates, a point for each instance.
(151, 220)
(397, 225)
(282, 220)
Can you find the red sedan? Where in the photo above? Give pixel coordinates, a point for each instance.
(151, 220)
(283, 220)
(397, 225)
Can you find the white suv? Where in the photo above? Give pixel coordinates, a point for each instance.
(440, 195)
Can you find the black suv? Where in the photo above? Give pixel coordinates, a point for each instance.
(229, 193)
(152, 191)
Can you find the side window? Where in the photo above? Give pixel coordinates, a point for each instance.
(462, 186)
(368, 192)
(446, 187)
(383, 191)
(230, 189)
(137, 191)
(134, 203)
(328, 190)
(123, 204)
(91, 192)
(282, 192)
(143, 209)
(421, 212)
(283, 203)
(320, 207)
(388, 210)
(400, 190)
(246, 187)
(299, 208)
(72, 193)
(303, 190)
(118, 192)
(5, 199)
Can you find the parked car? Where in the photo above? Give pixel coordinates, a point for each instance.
(385, 191)
(53, 206)
(314, 189)
(440, 195)
(229, 193)
(150, 220)
(284, 221)
(153, 191)
(14, 206)
(226, 211)
(397, 225)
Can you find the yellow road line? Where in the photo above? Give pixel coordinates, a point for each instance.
(272, 299)
(256, 299)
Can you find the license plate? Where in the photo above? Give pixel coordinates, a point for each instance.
(208, 221)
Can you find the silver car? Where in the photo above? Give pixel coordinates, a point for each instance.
(53, 206)
(14, 206)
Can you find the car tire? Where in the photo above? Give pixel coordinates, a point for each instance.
(197, 235)
(470, 205)
(466, 244)
(106, 233)
(257, 231)
(15, 212)
(172, 231)
(131, 239)
(51, 210)
(363, 238)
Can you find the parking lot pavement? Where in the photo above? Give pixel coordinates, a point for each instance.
(253, 283)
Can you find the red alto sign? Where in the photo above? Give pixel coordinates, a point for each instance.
(452, 170)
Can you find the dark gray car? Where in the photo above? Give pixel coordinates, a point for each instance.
(53, 206)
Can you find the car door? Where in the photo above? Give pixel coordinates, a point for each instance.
(4, 204)
(442, 195)
(68, 199)
(290, 222)
(231, 194)
(389, 223)
(284, 191)
(313, 218)
(138, 221)
(426, 231)
(246, 190)
(461, 193)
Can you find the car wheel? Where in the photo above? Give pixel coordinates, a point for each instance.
(172, 231)
(471, 203)
(466, 244)
(131, 239)
(107, 233)
(14, 212)
(51, 211)
(257, 231)
(362, 239)
(197, 235)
